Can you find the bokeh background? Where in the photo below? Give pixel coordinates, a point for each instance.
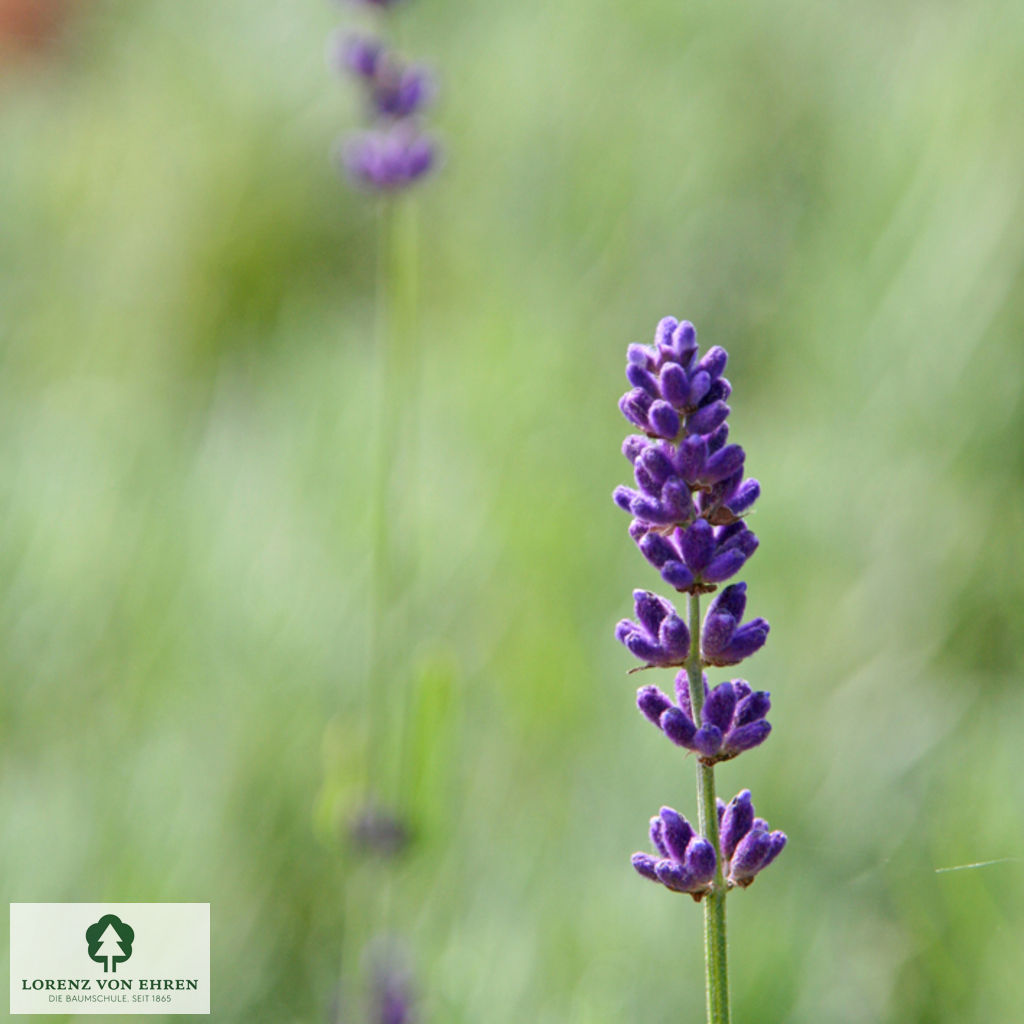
(831, 191)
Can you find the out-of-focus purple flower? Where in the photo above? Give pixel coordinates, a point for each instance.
(685, 862)
(697, 557)
(723, 640)
(399, 91)
(659, 636)
(392, 999)
(380, 832)
(747, 844)
(732, 719)
(388, 159)
(355, 54)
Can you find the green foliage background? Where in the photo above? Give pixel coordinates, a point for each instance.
(831, 191)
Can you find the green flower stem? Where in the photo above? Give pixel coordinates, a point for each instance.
(715, 946)
(394, 456)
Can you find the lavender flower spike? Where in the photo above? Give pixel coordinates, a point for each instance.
(687, 512)
(659, 636)
(686, 862)
(747, 845)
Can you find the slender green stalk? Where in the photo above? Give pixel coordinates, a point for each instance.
(394, 457)
(715, 946)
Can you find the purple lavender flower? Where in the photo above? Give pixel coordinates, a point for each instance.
(388, 159)
(723, 640)
(394, 88)
(686, 862)
(747, 845)
(355, 55)
(732, 718)
(399, 91)
(394, 153)
(696, 558)
(659, 636)
(380, 832)
(392, 999)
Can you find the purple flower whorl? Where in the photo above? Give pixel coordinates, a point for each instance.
(686, 861)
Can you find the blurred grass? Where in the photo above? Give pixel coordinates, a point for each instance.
(834, 193)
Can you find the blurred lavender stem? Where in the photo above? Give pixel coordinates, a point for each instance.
(396, 402)
(715, 945)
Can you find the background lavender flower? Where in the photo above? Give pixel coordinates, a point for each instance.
(396, 152)
(388, 159)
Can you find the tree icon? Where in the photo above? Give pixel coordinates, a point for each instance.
(110, 942)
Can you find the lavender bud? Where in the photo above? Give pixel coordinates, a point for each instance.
(675, 574)
(674, 634)
(731, 601)
(701, 861)
(657, 834)
(707, 741)
(678, 502)
(674, 876)
(623, 497)
(727, 564)
(747, 640)
(700, 384)
(736, 822)
(634, 446)
(644, 864)
(698, 546)
(707, 418)
(752, 707)
(693, 452)
(640, 378)
(719, 706)
(651, 610)
(714, 360)
(717, 438)
(641, 355)
(720, 389)
(743, 497)
(684, 342)
(664, 420)
(677, 832)
(664, 332)
(657, 463)
(750, 856)
(634, 406)
(746, 737)
(723, 464)
(674, 386)
(678, 727)
(657, 549)
(652, 702)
